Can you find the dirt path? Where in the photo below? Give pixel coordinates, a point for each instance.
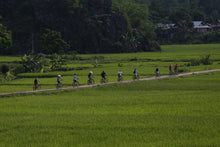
(129, 81)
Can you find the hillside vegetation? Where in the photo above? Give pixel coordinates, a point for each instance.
(96, 26)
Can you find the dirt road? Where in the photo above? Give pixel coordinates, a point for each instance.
(129, 81)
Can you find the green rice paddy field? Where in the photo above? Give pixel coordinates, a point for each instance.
(178, 111)
(144, 62)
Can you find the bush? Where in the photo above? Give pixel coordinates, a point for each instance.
(195, 62)
(19, 69)
(4, 68)
(9, 76)
(120, 64)
(206, 60)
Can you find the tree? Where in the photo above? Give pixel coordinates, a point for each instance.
(56, 62)
(5, 38)
(52, 42)
(140, 29)
(33, 63)
(183, 24)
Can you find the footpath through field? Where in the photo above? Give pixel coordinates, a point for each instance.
(128, 81)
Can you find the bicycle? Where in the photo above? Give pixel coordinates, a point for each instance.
(59, 85)
(104, 80)
(90, 81)
(157, 74)
(171, 72)
(120, 78)
(136, 77)
(75, 83)
(36, 86)
(176, 71)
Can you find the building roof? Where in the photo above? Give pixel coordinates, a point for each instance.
(200, 25)
(165, 26)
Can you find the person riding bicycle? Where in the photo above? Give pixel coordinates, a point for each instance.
(176, 69)
(36, 82)
(59, 79)
(75, 77)
(120, 74)
(157, 72)
(90, 76)
(170, 69)
(135, 72)
(103, 74)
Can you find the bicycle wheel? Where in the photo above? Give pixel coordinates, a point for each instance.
(38, 87)
(106, 80)
(103, 80)
(75, 83)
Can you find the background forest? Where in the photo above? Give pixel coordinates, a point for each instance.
(98, 26)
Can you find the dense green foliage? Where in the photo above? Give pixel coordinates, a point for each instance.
(93, 26)
(170, 112)
(51, 41)
(5, 38)
(181, 14)
(99, 26)
(4, 68)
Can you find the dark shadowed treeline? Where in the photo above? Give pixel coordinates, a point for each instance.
(82, 26)
(96, 26)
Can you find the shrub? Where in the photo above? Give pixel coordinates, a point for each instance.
(195, 62)
(120, 64)
(184, 69)
(206, 60)
(19, 69)
(4, 68)
(9, 76)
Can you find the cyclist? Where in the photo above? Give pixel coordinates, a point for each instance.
(74, 78)
(157, 72)
(90, 76)
(36, 83)
(176, 69)
(103, 74)
(59, 80)
(170, 69)
(120, 75)
(135, 73)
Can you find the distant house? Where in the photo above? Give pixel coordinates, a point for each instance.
(166, 30)
(216, 26)
(165, 26)
(201, 28)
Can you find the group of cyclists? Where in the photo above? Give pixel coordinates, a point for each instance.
(103, 75)
(171, 70)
